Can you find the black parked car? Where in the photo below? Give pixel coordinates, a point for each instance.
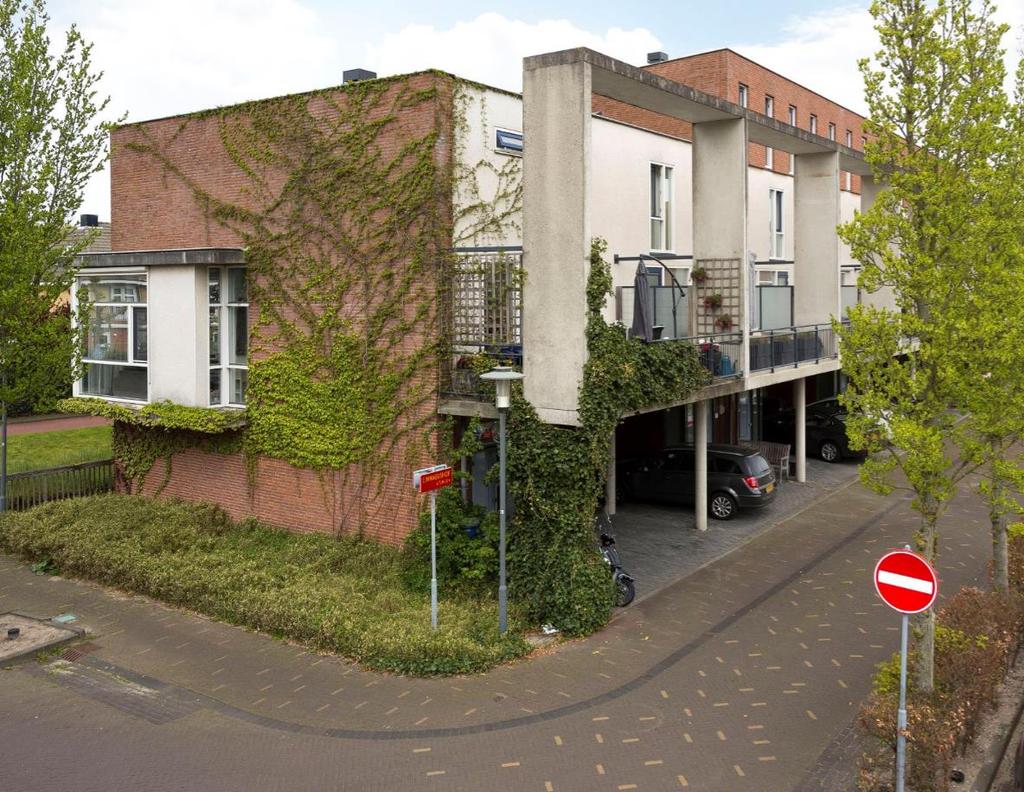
(738, 477)
(825, 429)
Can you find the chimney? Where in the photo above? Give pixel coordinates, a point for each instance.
(656, 57)
(89, 221)
(355, 75)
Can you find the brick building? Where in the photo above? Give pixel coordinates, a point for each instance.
(668, 163)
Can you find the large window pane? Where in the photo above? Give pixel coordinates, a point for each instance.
(215, 386)
(214, 286)
(239, 382)
(115, 288)
(119, 382)
(140, 329)
(215, 336)
(236, 286)
(108, 333)
(238, 336)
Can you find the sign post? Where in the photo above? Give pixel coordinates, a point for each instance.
(908, 584)
(430, 480)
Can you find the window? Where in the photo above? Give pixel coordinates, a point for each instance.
(849, 139)
(831, 131)
(792, 115)
(782, 278)
(661, 207)
(863, 142)
(508, 142)
(117, 343)
(769, 110)
(744, 95)
(777, 237)
(769, 106)
(229, 335)
(814, 124)
(769, 157)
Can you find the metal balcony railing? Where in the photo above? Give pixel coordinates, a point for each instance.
(791, 346)
(722, 355)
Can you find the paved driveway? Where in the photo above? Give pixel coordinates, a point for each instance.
(745, 675)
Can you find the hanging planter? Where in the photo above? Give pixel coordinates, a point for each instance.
(698, 275)
(713, 301)
(723, 322)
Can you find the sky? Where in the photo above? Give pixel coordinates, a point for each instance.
(162, 58)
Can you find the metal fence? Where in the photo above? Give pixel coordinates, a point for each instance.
(484, 315)
(792, 346)
(670, 307)
(722, 355)
(25, 490)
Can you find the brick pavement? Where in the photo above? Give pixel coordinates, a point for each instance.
(744, 676)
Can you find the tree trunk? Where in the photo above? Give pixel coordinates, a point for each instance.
(997, 516)
(924, 628)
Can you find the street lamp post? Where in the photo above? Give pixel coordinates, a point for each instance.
(502, 377)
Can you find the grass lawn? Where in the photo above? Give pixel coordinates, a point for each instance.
(343, 595)
(52, 449)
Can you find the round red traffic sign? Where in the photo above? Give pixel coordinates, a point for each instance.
(906, 582)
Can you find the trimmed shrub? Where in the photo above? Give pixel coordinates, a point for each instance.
(342, 595)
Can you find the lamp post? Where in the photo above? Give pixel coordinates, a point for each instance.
(502, 377)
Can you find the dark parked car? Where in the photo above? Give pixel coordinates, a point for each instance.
(825, 428)
(738, 477)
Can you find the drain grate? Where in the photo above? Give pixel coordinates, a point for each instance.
(76, 653)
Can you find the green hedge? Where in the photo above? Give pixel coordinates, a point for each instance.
(341, 595)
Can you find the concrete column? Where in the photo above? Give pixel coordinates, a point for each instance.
(556, 235)
(700, 464)
(720, 208)
(800, 403)
(869, 191)
(610, 484)
(816, 294)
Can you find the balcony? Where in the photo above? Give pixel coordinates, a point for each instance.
(771, 350)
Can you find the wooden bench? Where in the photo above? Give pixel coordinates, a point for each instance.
(777, 455)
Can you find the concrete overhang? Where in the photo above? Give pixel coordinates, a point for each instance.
(616, 79)
(198, 257)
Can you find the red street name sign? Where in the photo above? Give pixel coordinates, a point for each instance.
(906, 582)
(432, 478)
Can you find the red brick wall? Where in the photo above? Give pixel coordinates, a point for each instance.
(154, 209)
(721, 72)
(338, 502)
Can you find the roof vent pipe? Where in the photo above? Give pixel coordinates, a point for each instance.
(355, 75)
(656, 57)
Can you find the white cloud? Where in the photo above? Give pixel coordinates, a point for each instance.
(491, 47)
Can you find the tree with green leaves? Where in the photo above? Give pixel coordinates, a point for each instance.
(51, 142)
(937, 132)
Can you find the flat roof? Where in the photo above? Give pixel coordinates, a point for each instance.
(162, 258)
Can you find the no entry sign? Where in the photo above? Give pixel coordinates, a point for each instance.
(906, 582)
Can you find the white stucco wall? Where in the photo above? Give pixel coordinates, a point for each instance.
(482, 171)
(759, 182)
(620, 212)
(178, 335)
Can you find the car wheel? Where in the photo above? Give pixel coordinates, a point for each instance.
(722, 506)
(829, 451)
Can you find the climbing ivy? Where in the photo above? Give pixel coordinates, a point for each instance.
(557, 473)
(351, 196)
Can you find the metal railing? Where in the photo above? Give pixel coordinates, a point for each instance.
(791, 346)
(35, 487)
(722, 355)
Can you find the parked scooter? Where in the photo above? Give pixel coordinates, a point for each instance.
(624, 583)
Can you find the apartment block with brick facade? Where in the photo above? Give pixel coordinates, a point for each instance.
(663, 162)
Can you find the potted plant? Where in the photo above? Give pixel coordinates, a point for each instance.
(698, 275)
(713, 301)
(723, 322)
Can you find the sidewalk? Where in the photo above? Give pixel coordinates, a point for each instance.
(745, 675)
(52, 423)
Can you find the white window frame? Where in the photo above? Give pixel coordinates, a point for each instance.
(506, 150)
(224, 364)
(849, 138)
(769, 153)
(776, 224)
(813, 124)
(666, 189)
(792, 115)
(744, 95)
(77, 388)
(831, 131)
